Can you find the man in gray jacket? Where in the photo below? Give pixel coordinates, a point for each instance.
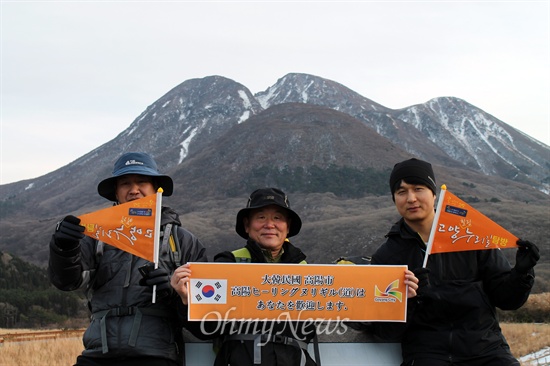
(126, 327)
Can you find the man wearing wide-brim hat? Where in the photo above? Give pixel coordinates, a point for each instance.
(126, 327)
(268, 220)
(266, 223)
(132, 164)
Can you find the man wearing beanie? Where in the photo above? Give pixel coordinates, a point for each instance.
(452, 320)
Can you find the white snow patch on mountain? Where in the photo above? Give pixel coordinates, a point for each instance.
(132, 130)
(245, 99)
(185, 145)
(136, 124)
(142, 117)
(244, 116)
(265, 98)
(305, 96)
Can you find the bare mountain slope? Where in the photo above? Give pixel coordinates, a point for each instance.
(328, 147)
(444, 129)
(284, 145)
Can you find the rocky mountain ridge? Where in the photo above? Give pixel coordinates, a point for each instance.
(328, 147)
(447, 127)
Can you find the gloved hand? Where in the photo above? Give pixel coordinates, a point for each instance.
(425, 289)
(423, 280)
(68, 233)
(159, 277)
(526, 256)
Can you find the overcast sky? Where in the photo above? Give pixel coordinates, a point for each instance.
(76, 74)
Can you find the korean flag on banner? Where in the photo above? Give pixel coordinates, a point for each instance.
(209, 291)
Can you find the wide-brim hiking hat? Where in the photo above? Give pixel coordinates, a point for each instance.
(134, 163)
(412, 171)
(265, 197)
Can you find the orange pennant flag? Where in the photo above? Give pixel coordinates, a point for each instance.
(130, 226)
(458, 227)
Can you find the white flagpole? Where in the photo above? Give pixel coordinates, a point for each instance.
(158, 214)
(434, 224)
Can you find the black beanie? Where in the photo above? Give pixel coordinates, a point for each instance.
(412, 171)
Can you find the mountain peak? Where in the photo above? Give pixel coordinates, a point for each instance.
(314, 138)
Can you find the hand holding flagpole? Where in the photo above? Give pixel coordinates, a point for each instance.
(158, 214)
(434, 224)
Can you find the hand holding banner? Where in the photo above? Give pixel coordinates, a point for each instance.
(239, 291)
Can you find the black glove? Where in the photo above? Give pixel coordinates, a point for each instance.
(425, 289)
(68, 233)
(423, 280)
(526, 256)
(159, 277)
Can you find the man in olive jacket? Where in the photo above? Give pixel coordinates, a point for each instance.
(266, 223)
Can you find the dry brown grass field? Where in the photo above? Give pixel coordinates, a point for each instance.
(54, 352)
(526, 338)
(523, 338)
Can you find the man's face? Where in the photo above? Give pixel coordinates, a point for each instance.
(415, 202)
(268, 226)
(134, 186)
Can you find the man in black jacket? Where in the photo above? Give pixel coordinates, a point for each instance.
(453, 320)
(126, 328)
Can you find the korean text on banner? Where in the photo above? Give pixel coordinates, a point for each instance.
(129, 226)
(246, 291)
(459, 227)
